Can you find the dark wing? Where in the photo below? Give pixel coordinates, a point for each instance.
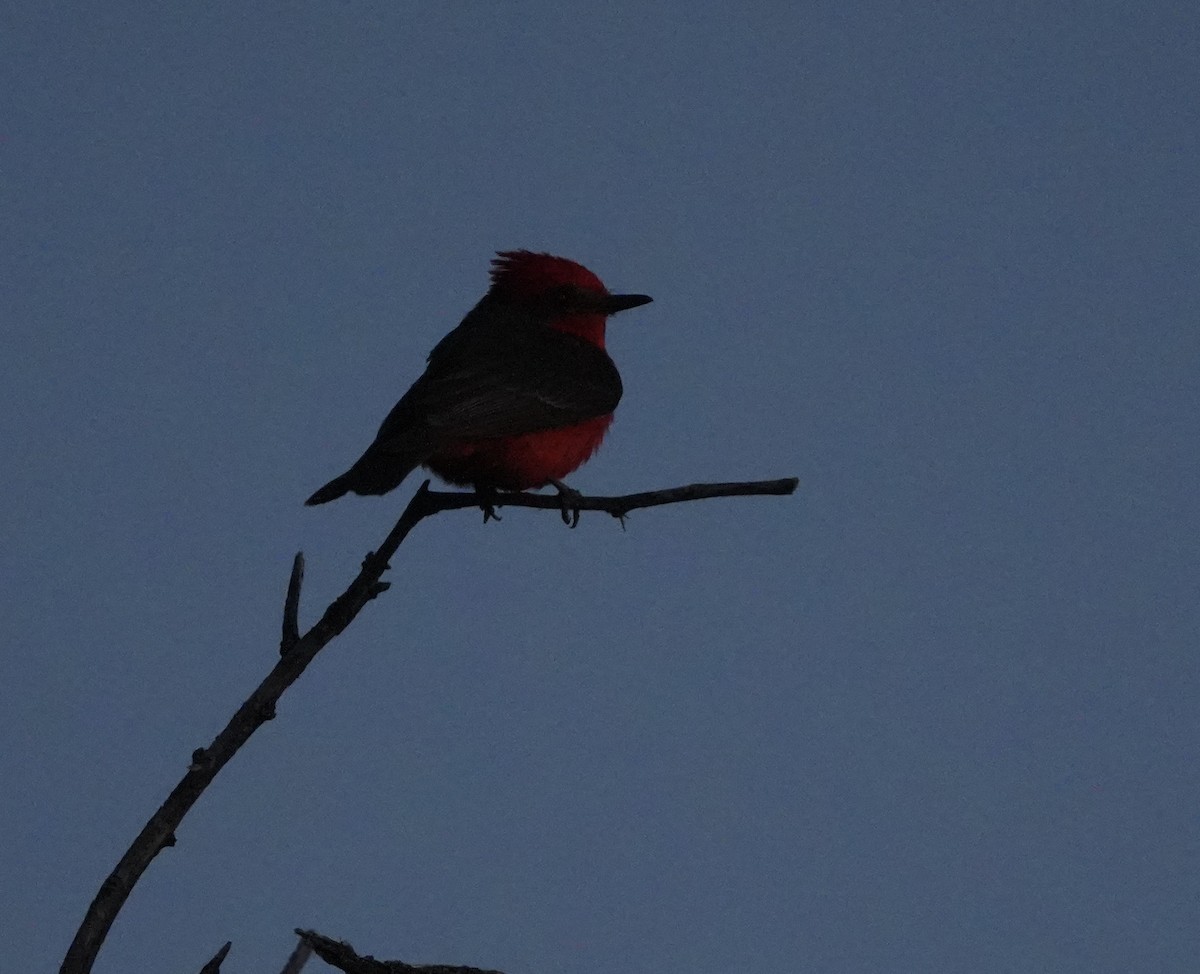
(504, 382)
(501, 372)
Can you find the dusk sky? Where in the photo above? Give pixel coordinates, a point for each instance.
(939, 711)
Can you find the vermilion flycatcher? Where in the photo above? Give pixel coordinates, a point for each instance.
(517, 396)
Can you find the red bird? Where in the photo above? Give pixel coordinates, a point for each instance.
(517, 396)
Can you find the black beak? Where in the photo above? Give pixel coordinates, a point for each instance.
(610, 304)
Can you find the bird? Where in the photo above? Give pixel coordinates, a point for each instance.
(516, 397)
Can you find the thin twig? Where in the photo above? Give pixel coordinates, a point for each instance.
(259, 707)
(291, 607)
(342, 956)
(621, 505)
(214, 965)
(298, 958)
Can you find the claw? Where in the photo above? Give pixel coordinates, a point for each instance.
(487, 503)
(570, 515)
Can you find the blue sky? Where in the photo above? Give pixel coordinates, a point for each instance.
(937, 712)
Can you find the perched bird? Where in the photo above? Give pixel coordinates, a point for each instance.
(517, 396)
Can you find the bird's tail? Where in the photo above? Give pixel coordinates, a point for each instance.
(331, 491)
(375, 473)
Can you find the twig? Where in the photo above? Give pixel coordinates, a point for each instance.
(291, 607)
(342, 956)
(297, 654)
(214, 965)
(298, 958)
(619, 506)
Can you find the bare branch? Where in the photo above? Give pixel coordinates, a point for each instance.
(621, 505)
(214, 965)
(291, 607)
(298, 653)
(298, 958)
(342, 956)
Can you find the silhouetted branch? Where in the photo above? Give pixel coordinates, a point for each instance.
(619, 506)
(291, 607)
(298, 958)
(298, 651)
(342, 956)
(214, 965)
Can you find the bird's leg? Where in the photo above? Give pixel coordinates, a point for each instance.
(487, 502)
(570, 515)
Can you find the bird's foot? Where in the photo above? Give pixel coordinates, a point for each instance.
(570, 514)
(487, 502)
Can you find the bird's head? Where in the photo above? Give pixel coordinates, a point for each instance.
(569, 296)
